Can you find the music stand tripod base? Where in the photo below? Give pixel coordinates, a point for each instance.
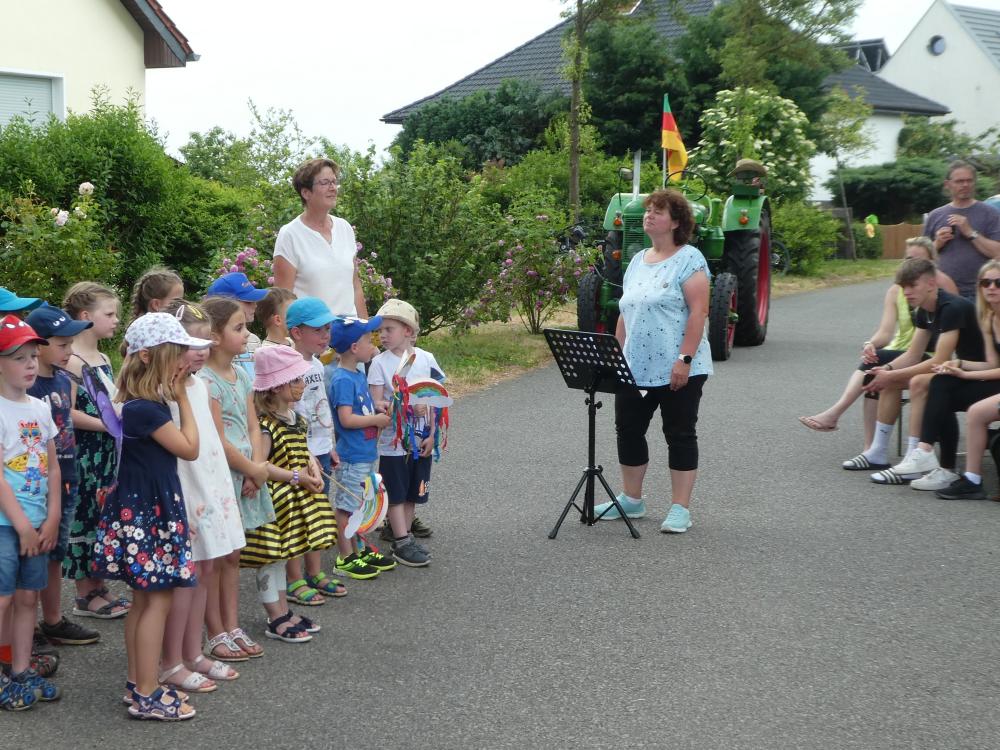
(593, 363)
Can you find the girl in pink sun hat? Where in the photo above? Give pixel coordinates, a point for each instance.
(304, 520)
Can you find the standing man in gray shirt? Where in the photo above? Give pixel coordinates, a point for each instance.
(966, 232)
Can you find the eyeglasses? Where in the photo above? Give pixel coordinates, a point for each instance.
(987, 283)
(326, 182)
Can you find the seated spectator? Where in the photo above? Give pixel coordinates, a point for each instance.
(890, 340)
(958, 385)
(940, 315)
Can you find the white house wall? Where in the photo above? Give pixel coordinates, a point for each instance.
(85, 42)
(884, 131)
(963, 77)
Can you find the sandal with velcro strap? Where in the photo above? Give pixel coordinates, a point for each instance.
(861, 463)
(106, 612)
(302, 593)
(291, 634)
(155, 706)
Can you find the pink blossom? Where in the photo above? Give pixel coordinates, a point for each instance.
(270, 279)
(508, 262)
(226, 262)
(240, 257)
(532, 274)
(234, 268)
(61, 218)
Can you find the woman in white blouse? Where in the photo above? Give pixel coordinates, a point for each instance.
(315, 253)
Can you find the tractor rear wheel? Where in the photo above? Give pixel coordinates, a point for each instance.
(589, 316)
(722, 316)
(748, 257)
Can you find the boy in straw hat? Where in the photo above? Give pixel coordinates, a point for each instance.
(407, 479)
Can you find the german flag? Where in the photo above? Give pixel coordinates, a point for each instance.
(677, 155)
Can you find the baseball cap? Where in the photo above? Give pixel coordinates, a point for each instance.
(345, 331)
(14, 332)
(153, 329)
(276, 365)
(49, 321)
(308, 311)
(402, 311)
(10, 302)
(236, 285)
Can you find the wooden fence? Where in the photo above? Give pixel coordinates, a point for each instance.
(894, 237)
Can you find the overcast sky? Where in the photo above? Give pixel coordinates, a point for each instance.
(340, 65)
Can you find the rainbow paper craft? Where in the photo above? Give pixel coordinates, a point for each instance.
(429, 392)
(374, 506)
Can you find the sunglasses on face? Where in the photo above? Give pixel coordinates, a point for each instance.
(987, 283)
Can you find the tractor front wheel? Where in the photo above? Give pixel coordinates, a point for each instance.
(723, 316)
(748, 257)
(589, 316)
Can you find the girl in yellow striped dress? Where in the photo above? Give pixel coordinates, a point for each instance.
(304, 519)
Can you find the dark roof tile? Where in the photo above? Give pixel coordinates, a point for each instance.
(882, 95)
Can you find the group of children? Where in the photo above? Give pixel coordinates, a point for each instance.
(212, 450)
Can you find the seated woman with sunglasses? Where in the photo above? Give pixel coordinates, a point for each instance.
(960, 385)
(314, 253)
(891, 339)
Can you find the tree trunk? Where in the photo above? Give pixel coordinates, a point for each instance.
(574, 114)
(851, 250)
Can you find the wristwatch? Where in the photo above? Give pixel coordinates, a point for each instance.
(685, 358)
(974, 235)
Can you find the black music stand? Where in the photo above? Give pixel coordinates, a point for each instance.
(592, 363)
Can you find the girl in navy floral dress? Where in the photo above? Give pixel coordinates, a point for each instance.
(142, 535)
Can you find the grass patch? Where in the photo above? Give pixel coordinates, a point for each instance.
(835, 272)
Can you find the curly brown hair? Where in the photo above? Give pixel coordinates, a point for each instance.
(679, 209)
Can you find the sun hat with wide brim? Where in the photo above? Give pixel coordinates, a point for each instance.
(153, 329)
(276, 365)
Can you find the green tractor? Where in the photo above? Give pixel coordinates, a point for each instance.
(734, 237)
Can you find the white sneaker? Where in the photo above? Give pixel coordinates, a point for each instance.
(917, 462)
(938, 479)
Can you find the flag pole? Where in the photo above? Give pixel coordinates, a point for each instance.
(664, 168)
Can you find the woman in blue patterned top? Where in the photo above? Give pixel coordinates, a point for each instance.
(662, 330)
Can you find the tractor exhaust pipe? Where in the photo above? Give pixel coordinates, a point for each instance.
(636, 166)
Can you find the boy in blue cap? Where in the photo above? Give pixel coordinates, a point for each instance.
(238, 287)
(357, 425)
(11, 303)
(54, 386)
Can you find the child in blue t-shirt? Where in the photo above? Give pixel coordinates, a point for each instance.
(357, 423)
(54, 386)
(29, 510)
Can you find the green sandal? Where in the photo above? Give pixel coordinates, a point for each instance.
(327, 586)
(302, 593)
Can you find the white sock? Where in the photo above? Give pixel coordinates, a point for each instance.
(974, 478)
(911, 442)
(878, 453)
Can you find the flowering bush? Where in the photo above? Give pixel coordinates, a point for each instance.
(243, 254)
(534, 278)
(378, 288)
(752, 124)
(45, 249)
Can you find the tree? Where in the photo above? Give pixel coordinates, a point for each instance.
(747, 123)
(585, 14)
(629, 69)
(781, 46)
(501, 125)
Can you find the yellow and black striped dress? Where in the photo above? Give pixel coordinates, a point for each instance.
(304, 521)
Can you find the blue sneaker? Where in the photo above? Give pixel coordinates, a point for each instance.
(632, 510)
(13, 696)
(678, 520)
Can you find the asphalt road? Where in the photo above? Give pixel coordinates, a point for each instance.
(806, 608)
